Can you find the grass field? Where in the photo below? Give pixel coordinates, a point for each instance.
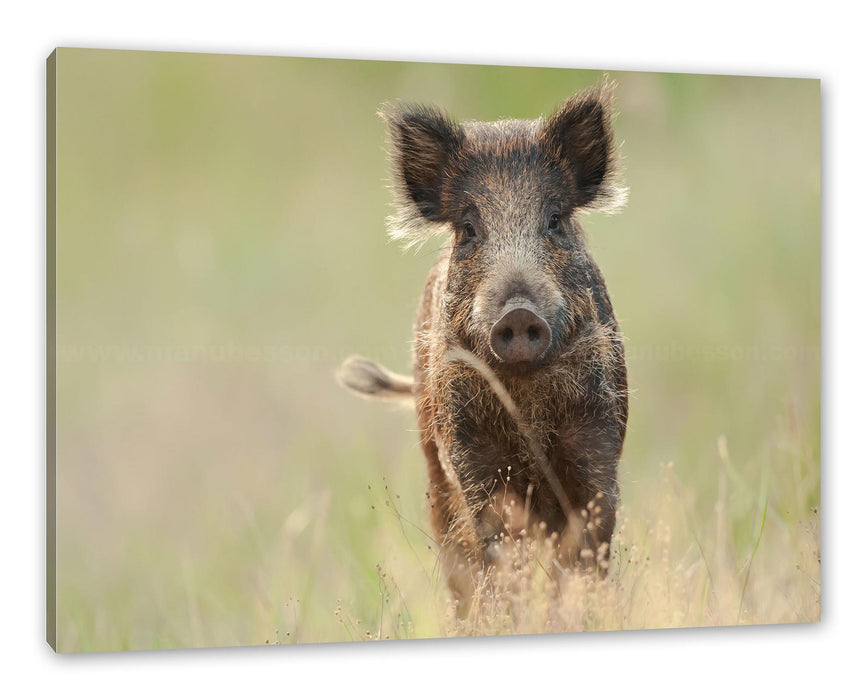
(221, 249)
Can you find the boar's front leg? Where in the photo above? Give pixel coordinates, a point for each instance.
(477, 502)
(586, 459)
(495, 479)
(459, 546)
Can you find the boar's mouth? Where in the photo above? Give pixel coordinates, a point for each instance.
(521, 337)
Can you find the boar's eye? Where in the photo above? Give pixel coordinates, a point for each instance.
(467, 234)
(553, 223)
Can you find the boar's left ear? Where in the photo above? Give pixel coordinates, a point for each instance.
(579, 136)
(424, 143)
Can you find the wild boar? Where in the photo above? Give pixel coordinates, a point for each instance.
(519, 372)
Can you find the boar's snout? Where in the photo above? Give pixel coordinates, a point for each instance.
(520, 334)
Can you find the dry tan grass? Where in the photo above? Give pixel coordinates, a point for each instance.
(663, 573)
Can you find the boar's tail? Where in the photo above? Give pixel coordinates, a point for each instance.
(364, 377)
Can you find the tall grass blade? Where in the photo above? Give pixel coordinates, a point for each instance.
(752, 559)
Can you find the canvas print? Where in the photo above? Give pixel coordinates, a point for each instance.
(354, 350)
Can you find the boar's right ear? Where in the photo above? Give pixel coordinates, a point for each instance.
(579, 136)
(424, 142)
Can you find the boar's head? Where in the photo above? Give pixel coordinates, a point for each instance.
(508, 194)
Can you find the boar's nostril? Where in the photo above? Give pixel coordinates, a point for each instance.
(520, 335)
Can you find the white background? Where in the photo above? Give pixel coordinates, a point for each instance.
(818, 40)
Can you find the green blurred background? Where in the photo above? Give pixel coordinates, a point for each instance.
(221, 248)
